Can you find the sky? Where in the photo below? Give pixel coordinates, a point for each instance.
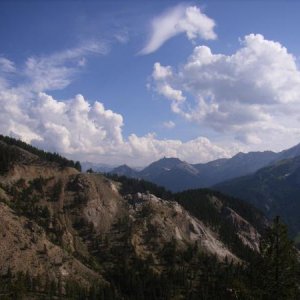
(133, 81)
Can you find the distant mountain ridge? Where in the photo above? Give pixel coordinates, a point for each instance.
(177, 175)
(96, 167)
(274, 189)
(125, 170)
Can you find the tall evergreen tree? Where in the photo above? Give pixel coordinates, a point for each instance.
(279, 274)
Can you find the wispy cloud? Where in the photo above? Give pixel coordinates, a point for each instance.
(169, 124)
(6, 65)
(57, 70)
(180, 19)
(122, 35)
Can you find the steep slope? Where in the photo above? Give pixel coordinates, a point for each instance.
(26, 248)
(43, 207)
(229, 217)
(43, 215)
(62, 228)
(289, 153)
(237, 223)
(274, 189)
(165, 221)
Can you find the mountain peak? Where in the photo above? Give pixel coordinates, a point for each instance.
(169, 159)
(124, 166)
(125, 170)
(167, 162)
(163, 164)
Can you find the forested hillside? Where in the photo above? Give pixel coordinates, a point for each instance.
(71, 235)
(12, 151)
(274, 189)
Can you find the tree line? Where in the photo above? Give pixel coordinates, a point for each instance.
(272, 275)
(9, 155)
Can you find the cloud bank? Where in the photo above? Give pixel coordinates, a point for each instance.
(181, 19)
(78, 127)
(253, 94)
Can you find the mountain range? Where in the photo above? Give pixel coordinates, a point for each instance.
(64, 233)
(274, 189)
(177, 175)
(270, 181)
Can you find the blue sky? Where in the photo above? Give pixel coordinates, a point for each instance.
(132, 81)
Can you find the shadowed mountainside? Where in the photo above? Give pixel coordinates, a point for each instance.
(274, 189)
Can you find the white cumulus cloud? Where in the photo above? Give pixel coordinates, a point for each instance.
(80, 128)
(196, 150)
(252, 93)
(180, 19)
(75, 126)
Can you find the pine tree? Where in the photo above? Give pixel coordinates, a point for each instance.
(279, 274)
(78, 166)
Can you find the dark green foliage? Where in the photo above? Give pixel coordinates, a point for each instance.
(25, 201)
(274, 189)
(199, 199)
(172, 272)
(275, 273)
(145, 211)
(9, 155)
(80, 224)
(185, 274)
(133, 186)
(57, 189)
(279, 264)
(137, 281)
(203, 278)
(168, 253)
(77, 166)
(200, 203)
(38, 184)
(24, 286)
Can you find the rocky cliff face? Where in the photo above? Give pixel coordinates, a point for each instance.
(59, 224)
(26, 248)
(157, 222)
(245, 231)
